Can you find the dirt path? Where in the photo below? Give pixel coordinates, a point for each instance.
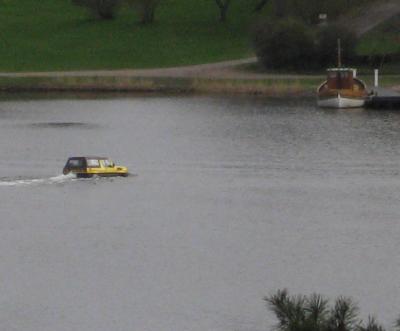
(202, 70)
(222, 70)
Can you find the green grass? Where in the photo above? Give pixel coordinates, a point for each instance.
(384, 39)
(49, 35)
(55, 35)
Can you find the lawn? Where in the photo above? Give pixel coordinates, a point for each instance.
(383, 40)
(55, 35)
(50, 35)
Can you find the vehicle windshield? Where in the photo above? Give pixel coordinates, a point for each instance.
(108, 163)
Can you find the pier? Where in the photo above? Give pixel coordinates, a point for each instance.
(382, 98)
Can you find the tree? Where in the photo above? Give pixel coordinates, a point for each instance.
(312, 313)
(371, 325)
(327, 44)
(298, 313)
(104, 9)
(343, 315)
(223, 6)
(146, 9)
(287, 44)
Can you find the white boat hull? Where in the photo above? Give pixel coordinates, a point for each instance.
(340, 102)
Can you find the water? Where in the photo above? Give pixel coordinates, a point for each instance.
(234, 198)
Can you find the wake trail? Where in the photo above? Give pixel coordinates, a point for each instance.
(37, 181)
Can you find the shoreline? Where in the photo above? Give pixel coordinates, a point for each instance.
(220, 82)
(279, 87)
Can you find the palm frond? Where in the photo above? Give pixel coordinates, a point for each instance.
(317, 308)
(344, 315)
(372, 325)
(289, 310)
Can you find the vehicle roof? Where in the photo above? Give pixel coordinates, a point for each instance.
(89, 157)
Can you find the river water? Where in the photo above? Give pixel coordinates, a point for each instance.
(231, 199)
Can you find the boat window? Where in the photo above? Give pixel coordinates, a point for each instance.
(93, 163)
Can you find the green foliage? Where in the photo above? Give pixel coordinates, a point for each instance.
(327, 45)
(343, 315)
(372, 325)
(292, 44)
(383, 40)
(102, 8)
(317, 308)
(298, 313)
(284, 44)
(312, 313)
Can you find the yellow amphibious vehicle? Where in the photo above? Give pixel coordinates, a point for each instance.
(88, 166)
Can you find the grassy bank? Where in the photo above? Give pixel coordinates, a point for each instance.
(279, 87)
(49, 35)
(384, 39)
(303, 86)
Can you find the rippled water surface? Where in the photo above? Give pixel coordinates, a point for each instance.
(234, 198)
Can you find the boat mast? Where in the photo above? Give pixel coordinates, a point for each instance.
(339, 54)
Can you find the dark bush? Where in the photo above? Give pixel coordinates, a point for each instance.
(104, 9)
(327, 45)
(285, 44)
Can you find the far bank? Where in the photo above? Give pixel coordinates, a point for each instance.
(273, 85)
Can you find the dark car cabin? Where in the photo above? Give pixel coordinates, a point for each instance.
(75, 163)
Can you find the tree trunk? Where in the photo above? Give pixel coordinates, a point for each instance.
(222, 14)
(147, 16)
(106, 8)
(223, 6)
(260, 5)
(148, 11)
(280, 7)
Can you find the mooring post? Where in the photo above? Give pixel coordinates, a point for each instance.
(376, 77)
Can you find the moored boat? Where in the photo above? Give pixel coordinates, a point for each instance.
(342, 90)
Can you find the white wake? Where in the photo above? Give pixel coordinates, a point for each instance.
(37, 181)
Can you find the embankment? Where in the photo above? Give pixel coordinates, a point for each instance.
(269, 87)
(278, 86)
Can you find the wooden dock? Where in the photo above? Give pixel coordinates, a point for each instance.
(383, 99)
